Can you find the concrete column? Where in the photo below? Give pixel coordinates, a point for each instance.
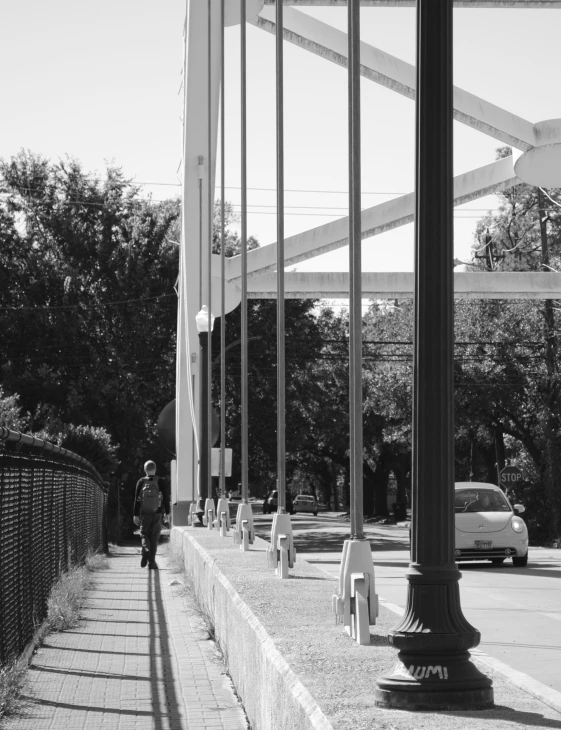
(196, 228)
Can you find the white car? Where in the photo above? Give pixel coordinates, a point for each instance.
(305, 503)
(487, 526)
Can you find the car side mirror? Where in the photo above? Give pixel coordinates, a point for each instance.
(519, 508)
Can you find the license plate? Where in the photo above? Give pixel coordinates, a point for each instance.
(483, 544)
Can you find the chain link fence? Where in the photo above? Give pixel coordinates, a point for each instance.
(52, 514)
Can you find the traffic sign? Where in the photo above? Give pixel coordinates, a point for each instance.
(511, 476)
(215, 463)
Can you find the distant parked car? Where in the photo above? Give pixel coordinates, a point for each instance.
(306, 503)
(271, 503)
(487, 526)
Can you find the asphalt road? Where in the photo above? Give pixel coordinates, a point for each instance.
(517, 610)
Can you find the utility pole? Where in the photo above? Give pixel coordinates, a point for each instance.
(491, 256)
(550, 338)
(551, 421)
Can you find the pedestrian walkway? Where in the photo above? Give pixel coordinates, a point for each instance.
(139, 661)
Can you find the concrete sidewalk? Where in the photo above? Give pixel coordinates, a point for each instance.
(139, 661)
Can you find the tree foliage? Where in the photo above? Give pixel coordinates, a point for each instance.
(89, 326)
(508, 379)
(88, 269)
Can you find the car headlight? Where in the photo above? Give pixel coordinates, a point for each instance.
(517, 524)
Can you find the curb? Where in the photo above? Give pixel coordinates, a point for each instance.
(540, 691)
(34, 643)
(272, 659)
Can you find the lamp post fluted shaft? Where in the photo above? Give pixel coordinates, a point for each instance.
(203, 437)
(210, 213)
(434, 637)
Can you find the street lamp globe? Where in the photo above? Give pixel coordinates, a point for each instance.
(205, 323)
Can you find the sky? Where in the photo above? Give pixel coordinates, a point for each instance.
(102, 83)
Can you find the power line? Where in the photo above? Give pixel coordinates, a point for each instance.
(274, 190)
(88, 304)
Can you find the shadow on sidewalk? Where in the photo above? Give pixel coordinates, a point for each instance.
(167, 705)
(57, 665)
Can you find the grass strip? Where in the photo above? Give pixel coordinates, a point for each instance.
(63, 612)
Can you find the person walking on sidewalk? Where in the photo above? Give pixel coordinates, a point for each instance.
(151, 503)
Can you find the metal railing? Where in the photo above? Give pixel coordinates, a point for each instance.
(52, 514)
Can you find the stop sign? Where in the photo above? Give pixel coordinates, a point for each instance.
(511, 476)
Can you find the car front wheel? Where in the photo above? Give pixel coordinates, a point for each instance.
(520, 562)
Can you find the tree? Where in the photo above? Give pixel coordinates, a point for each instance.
(89, 326)
(11, 415)
(523, 403)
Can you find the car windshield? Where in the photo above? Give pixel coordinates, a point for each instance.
(480, 500)
(303, 498)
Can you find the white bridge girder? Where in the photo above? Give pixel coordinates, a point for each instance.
(521, 4)
(379, 218)
(376, 65)
(400, 285)
(201, 114)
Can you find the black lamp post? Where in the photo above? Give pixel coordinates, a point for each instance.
(434, 669)
(205, 324)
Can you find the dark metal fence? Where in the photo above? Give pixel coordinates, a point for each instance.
(52, 513)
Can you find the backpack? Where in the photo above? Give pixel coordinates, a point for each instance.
(150, 496)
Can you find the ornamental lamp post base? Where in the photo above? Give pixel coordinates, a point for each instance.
(434, 670)
(444, 682)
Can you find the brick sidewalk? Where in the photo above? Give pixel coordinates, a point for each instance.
(137, 662)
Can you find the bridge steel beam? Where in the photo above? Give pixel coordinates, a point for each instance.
(503, 4)
(399, 285)
(376, 65)
(195, 234)
(379, 218)
(323, 40)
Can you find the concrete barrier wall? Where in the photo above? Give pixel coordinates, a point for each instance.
(273, 696)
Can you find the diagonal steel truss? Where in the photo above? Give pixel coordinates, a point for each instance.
(380, 67)
(201, 76)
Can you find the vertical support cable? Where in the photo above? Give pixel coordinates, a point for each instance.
(281, 369)
(210, 202)
(244, 393)
(355, 272)
(222, 261)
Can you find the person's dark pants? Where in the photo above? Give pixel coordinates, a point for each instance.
(150, 529)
